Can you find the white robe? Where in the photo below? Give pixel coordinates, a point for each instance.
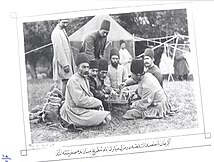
(80, 107)
(63, 55)
(125, 60)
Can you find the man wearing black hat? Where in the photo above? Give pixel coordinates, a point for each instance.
(117, 72)
(153, 102)
(102, 78)
(80, 107)
(94, 44)
(97, 92)
(150, 67)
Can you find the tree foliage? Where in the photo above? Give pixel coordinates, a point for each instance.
(37, 34)
(154, 24)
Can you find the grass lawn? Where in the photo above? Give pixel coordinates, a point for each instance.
(180, 95)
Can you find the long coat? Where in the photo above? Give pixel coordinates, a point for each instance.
(153, 103)
(181, 65)
(94, 45)
(125, 59)
(63, 54)
(98, 93)
(80, 107)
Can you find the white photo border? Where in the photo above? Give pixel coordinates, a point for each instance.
(200, 134)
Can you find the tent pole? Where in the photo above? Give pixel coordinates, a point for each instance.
(173, 56)
(133, 46)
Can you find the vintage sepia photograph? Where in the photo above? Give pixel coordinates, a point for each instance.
(111, 81)
(110, 75)
(108, 81)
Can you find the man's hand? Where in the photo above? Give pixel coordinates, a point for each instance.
(106, 90)
(133, 105)
(66, 69)
(113, 92)
(101, 56)
(101, 108)
(106, 96)
(122, 85)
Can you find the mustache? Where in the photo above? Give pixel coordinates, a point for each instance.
(115, 63)
(85, 73)
(93, 76)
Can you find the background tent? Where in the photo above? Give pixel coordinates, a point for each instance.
(116, 33)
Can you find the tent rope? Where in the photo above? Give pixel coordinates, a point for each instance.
(44, 47)
(159, 45)
(38, 48)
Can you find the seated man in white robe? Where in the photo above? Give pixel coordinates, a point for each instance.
(80, 107)
(153, 102)
(117, 73)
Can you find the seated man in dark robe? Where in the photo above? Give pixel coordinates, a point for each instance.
(99, 93)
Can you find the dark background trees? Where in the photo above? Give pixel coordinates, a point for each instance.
(38, 34)
(150, 24)
(153, 24)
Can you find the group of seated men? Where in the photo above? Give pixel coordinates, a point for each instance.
(88, 89)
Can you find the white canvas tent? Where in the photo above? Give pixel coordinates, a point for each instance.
(116, 33)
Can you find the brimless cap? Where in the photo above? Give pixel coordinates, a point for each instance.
(137, 66)
(102, 65)
(81, 58)
(93, 64)
(114, 51)
(149, 52)
(105, 25)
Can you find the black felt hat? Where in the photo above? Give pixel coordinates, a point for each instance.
(137, 66)
(149, 52)
(93, 64)
(81, 58)
(102, 65)
(114, 51)
(105, 25)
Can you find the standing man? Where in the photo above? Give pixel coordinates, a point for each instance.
(63, 61)
(181, 66)
(117, 72)
(150, 67)
(125, 57)
(80, 107)
(94, 44)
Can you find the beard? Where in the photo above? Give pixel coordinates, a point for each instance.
(115, 64)
(83, 73)
(92, 76)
